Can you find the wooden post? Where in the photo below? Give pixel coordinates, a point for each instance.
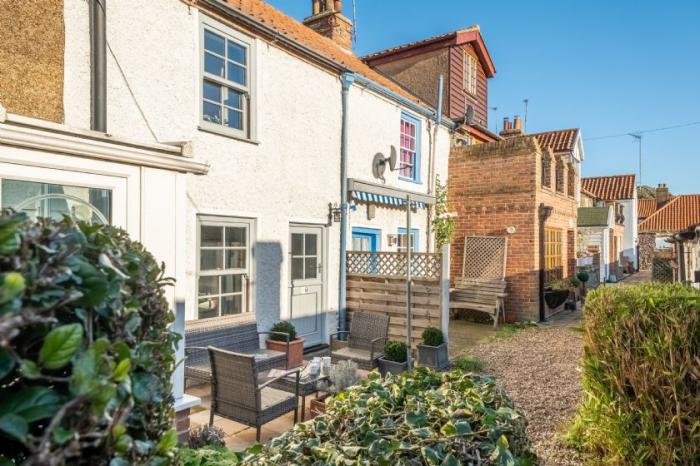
(445, 291)
(409, 322)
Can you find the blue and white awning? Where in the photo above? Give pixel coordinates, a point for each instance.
(382, 199)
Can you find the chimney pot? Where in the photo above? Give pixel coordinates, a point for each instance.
(517, 122)
(327, 20)
(506, 124)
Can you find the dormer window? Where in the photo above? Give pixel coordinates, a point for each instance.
(469, 73)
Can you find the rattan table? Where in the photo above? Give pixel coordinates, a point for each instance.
(307, 386)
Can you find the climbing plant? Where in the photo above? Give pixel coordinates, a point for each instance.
(443, 223)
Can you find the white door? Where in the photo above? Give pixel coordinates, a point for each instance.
(306, 271)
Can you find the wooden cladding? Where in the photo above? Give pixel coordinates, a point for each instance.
(388, 296)
(553, 265)
(459, 98)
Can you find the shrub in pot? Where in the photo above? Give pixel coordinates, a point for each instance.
(432, 352)
(583, 277)
(395, 358)
(285, 340)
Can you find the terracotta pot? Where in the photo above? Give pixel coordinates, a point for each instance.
(296, 350)
(318, 406)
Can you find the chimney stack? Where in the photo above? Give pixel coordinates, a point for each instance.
(514, 129)
(327, 19)
(662, 195)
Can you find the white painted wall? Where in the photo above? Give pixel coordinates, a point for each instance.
(290, 176)
(630, 238)
(600, 237)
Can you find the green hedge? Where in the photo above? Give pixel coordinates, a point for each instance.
(86, 353)
(422, 417)
(641, 374)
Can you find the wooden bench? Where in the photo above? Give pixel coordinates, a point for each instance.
(485, 296)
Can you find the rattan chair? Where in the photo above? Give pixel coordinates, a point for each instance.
(366, 338)
(236, 393)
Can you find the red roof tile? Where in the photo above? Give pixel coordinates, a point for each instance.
(610, 188)
(273, 18)
(562, 140)
(645, 207)
(679, 214)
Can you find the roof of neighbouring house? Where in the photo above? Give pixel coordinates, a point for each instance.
(472, 34)
(645, 207)
(270, 17)
(681, 213)
(593, 216)
(610, 188)
(562, 140)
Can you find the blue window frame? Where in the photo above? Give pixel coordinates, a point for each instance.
(366, 239)
(414, 240)
(409, 148)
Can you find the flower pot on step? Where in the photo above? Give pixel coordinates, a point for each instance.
(296, 350)
(318, 405)
(433, 356)
(391, 367)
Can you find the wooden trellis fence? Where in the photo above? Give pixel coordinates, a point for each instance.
(376, 282)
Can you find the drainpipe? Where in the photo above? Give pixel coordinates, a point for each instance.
(98, 65)
(545, 212)
(346, 80)
(431, 160)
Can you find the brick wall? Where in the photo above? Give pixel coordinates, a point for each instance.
(497, 185)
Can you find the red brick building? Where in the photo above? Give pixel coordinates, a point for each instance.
(527, 182)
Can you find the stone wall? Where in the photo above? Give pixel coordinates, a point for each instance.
(647, 244)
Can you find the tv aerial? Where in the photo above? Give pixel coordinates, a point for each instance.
(380, 162)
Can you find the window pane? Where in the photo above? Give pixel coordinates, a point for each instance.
(236, 73)
(231, 305)
(234, 119)
(297, 244)
(212, 113)
(207, 308)
(310, 266)
(208, 285)
(236, 52)
(213, 64)
(297, 268)
(311, 245)
(235, 259)
(211, 259)
(214, 42)
(234, 99)
(231, 284)
(212, 236)
(212, 91)
(236, 236)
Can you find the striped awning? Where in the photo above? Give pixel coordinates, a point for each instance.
(382, 199)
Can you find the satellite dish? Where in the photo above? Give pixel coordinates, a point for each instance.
(469, 115)
(393, 159)
(378, 165)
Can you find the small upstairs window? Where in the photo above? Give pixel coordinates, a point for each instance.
(546, 170)
(227, 97)
(571, 181)
(469, 73)
(560, 176)
(410, 148)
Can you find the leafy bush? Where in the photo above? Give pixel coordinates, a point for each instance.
(583, 276)
(468, 364)
(641, 375)
(443, 223)
(575, 282)
(433, 337)
(283, 327)
(421, 417)
(209, 456)
(395, 351)
(206, 435)
(342, 375)
(86, 354)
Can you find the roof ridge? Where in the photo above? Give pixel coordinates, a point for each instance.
(659, 210)
(554, 131)
(607, 176)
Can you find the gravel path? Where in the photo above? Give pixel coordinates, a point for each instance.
(538, 368)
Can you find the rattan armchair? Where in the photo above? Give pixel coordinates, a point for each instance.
(236, 393)
(366, 338)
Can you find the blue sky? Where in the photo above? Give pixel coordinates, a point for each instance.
(608, 67)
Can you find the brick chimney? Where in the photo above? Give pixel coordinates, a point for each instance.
(662, 195)
(327, 19)
(514, 129)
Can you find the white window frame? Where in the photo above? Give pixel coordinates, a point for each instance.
(248, 283)
(249, 131)
(470, 72)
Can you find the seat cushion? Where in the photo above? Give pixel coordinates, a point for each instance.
(354, 354)
(270, 397)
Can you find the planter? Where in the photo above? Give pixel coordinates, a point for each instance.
(318, 405)
(433, 356)
(296, 350)
(555, 298)
(391, 367)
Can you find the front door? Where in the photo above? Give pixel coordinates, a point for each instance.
(306, 271)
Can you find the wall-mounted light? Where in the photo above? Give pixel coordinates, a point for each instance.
(511, 230)
(334, 213)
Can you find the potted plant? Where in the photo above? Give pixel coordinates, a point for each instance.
(557, 294)
(342, 375)
(433, 351)
(293, 346)
(395, 358)
(583, 277)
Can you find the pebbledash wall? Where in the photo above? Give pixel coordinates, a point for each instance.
(288, 175)
(495, 186)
